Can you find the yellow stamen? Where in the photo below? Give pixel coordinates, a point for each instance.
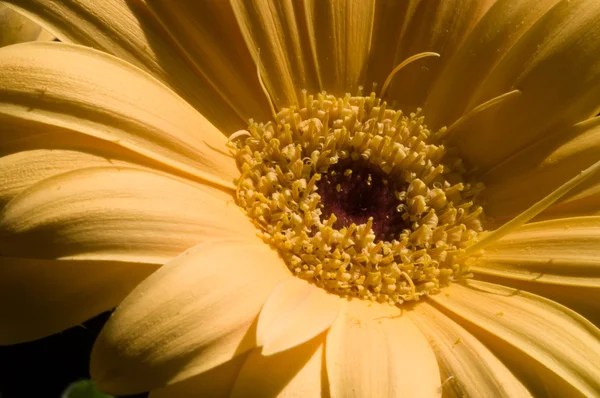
(533, 211)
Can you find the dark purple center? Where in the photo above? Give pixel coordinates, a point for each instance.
(364, 192)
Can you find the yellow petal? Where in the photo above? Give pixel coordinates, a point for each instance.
(556, 68)
(294, 373)
(42, 297)
(340, 39)
(497, 31)
(120, 214)
(195, 313)
(437, 26)
(215, 383)
(134, 33)
(374, 350)
(565, 251)
(539, 169)
(294, 313)
(15, 28)
(468, 368)
(104, 97)
(20, 170)
(548, 346)
(275, 34)
(206, 33)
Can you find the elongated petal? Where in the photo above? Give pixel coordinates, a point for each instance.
(564, 252)
(132, 32)
(497, 31)
(42, 297)
(275, 33)
(375, 350)
(23, 169)
(215, 383)
(340, 38)
(195, 313)
(556, 67)
(549, 347)
(119, 214)
(93, 93)
(438, 26)
(536, 171)
(294, 313)
(468, 368)
(294, 373)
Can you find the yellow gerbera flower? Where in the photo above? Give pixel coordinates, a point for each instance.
(395, 255)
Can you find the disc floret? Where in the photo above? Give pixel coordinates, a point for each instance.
(434, 217)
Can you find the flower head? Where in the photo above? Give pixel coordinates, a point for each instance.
(266, 225)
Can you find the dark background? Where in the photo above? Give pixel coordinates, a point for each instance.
(44, 368)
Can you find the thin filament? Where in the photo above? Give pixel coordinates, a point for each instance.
(478, 109)
(402, 65)
(533, 211)
(262, 85)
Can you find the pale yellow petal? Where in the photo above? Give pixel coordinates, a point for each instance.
(340, 38)
(42, 297)
(20, 170)
(275, 33)
(468, 368)
(132, 32)
(294, 313)
(535, 172)
(375, 350)
(195, 313)
(16, 28)
(497, 31)
(549, 347)
(565, 251)
(438, 26)
(297, 372)
(116, 213)
(214, 383)
(556, 67)
(93, 93)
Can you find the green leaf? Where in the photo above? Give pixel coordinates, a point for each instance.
(84, 389)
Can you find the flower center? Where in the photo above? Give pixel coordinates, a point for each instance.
(355, 191)
(359, 199)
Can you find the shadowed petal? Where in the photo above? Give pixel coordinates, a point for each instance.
(42, 297)
(195, 313)
(297, 372)
(130, 30)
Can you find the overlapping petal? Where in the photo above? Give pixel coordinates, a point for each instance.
(514, 185)
(275, 33)
(194, 314)
(15, 28)
(555, 66)
(131, 31)
(42, 297)
(548, 346)
(374, 350)
(298, 372)
(468, 368)
(340, 38)
(116, 213)
(294, 313)
(84, 90)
